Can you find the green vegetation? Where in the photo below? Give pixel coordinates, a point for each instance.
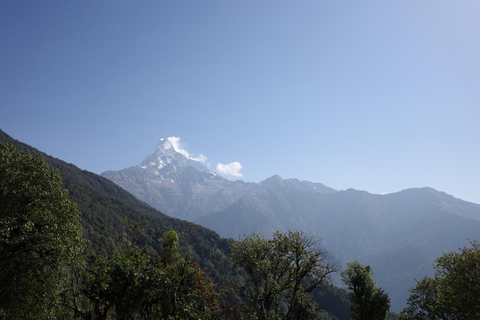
(367, 302)
(140, 284)
(454, 291)
(282, 273)
(40, 236)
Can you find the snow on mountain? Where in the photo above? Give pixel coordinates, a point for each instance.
(179, 184)
(170, 154)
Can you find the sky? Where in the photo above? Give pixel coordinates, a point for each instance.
(372, 95)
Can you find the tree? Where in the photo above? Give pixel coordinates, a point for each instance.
(453, 292)
(282, 273)
(367, 302)
(40, 235)
(422, 303)
(136, 283)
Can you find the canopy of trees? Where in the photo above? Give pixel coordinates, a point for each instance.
(40, 235)
(453, 292)
(139, 284)
(367, 302)
(282, 273)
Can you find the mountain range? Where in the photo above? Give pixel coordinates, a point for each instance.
(184, 188)
(398, 234)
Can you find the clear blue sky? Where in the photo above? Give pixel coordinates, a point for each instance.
(372, 95)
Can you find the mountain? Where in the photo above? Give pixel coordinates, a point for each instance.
(180, 186)
(398, 234)
(104, 207)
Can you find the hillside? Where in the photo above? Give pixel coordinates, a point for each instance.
(105, 206)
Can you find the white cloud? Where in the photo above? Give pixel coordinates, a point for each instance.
(231, 169)
(176, 145)
(200, 158)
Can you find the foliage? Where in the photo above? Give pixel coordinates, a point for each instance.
(335, 301)
(282, 273)
(454, 291)
(138, 283)
(40, 235)
(367, 302)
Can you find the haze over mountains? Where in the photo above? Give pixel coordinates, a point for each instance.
(398, 234)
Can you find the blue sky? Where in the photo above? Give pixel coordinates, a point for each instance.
(373, 95)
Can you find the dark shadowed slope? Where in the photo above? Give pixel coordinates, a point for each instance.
(105, 206)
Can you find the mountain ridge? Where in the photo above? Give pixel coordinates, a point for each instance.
(175, 183)
(398, 234)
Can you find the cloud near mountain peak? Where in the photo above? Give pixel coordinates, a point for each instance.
(174, 142)
(230, 169)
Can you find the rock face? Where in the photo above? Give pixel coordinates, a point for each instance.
(398, 235)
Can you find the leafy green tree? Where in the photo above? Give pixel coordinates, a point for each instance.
(423, 301)
(170, 245)
(40, 236)
(137, 283)
(367, 302)
(454, 291)
(282, 273)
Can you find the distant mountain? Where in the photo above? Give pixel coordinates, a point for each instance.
(172, 182)
(398, 234)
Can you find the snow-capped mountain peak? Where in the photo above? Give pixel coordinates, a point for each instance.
(170, 152)
(172, 144)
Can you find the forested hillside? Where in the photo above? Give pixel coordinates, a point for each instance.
(105, 206)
